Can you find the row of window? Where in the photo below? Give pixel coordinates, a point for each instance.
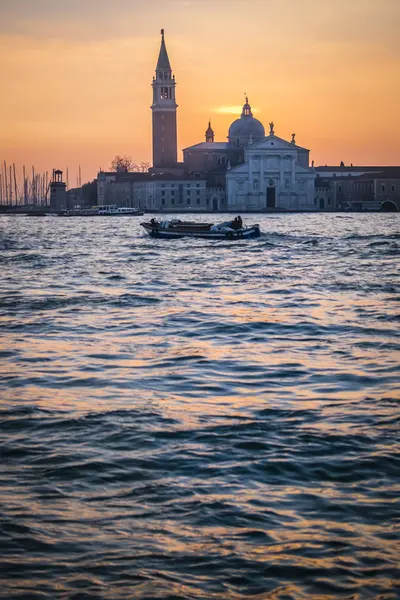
(383, 187)
(188, 192)
(173, 185)
(188, 201)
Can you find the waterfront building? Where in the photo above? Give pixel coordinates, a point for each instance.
(153, 191)
(275, 175)
(58, 191)
(360, 188)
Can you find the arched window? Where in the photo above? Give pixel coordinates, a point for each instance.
(255, 184)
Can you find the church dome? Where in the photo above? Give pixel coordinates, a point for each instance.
(246, 129)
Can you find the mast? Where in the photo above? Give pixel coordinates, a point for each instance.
(15, 186)
(25, 185)
(33, 186)
(10, 188)
(5, 182)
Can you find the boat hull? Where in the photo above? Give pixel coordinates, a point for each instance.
(175, 233)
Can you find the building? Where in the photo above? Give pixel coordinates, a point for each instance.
(165, 146)
(275, 175)
(360, 188)
(58, 192)
(153, 191)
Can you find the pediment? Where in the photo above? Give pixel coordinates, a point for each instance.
(274, 142)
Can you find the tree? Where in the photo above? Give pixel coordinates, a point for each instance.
(123, 163)
(144, 166)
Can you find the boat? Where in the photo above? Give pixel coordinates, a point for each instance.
(176, 228)
(110, 210)
(119, 211)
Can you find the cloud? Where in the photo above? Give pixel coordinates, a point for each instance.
(232, 110)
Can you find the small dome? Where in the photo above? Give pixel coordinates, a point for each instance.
(246, 129)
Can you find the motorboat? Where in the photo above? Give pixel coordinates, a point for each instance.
(176, 228)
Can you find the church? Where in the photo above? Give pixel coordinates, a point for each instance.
(248, 172)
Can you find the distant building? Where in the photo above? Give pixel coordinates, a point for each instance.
(275, 175)
(153, 191)
(58, 194)
(362, 188)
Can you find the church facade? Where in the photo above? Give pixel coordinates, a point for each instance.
(275, 175)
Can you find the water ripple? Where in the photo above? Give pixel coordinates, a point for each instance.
(200, 420)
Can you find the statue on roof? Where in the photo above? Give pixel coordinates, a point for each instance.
(271, 128)
(293, 138)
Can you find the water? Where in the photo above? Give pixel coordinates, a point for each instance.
(196, 419)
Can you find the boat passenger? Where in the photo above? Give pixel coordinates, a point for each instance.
(237, 223)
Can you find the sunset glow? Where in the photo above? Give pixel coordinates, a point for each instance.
(76, 76)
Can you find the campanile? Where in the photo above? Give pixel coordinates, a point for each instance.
(164, 111)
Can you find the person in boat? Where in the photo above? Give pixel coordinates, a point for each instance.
(237, 222)
(153, 222)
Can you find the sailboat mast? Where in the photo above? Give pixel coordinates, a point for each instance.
(10, 188)
(15, 186)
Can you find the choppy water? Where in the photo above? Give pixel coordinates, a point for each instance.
(200, 420)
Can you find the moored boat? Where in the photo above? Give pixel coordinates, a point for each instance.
(229, 230)
(100, 211)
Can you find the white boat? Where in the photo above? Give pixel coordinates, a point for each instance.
(118, 211)
(110, 210)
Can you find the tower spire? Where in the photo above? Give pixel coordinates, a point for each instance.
(163, 60)
(209, 134)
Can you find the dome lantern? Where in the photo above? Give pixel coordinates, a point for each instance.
(246, 128)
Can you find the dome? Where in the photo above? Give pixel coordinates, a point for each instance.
(246, 129)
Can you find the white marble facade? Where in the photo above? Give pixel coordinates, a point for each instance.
(275, 175)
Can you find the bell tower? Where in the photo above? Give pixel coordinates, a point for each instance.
(164, 111)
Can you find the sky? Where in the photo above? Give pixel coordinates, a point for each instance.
(76, 76)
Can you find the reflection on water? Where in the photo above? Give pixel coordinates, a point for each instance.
(196, 419)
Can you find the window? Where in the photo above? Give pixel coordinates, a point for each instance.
(198, 200)
(172, 200)
(340, 188)
(165, 93)
(197, 185)
(383, 187)
(287, 184)
(255, 184)
(393, 188)
(163, 201)
(188, 201)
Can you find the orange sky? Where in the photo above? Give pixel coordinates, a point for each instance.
(76, 76)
